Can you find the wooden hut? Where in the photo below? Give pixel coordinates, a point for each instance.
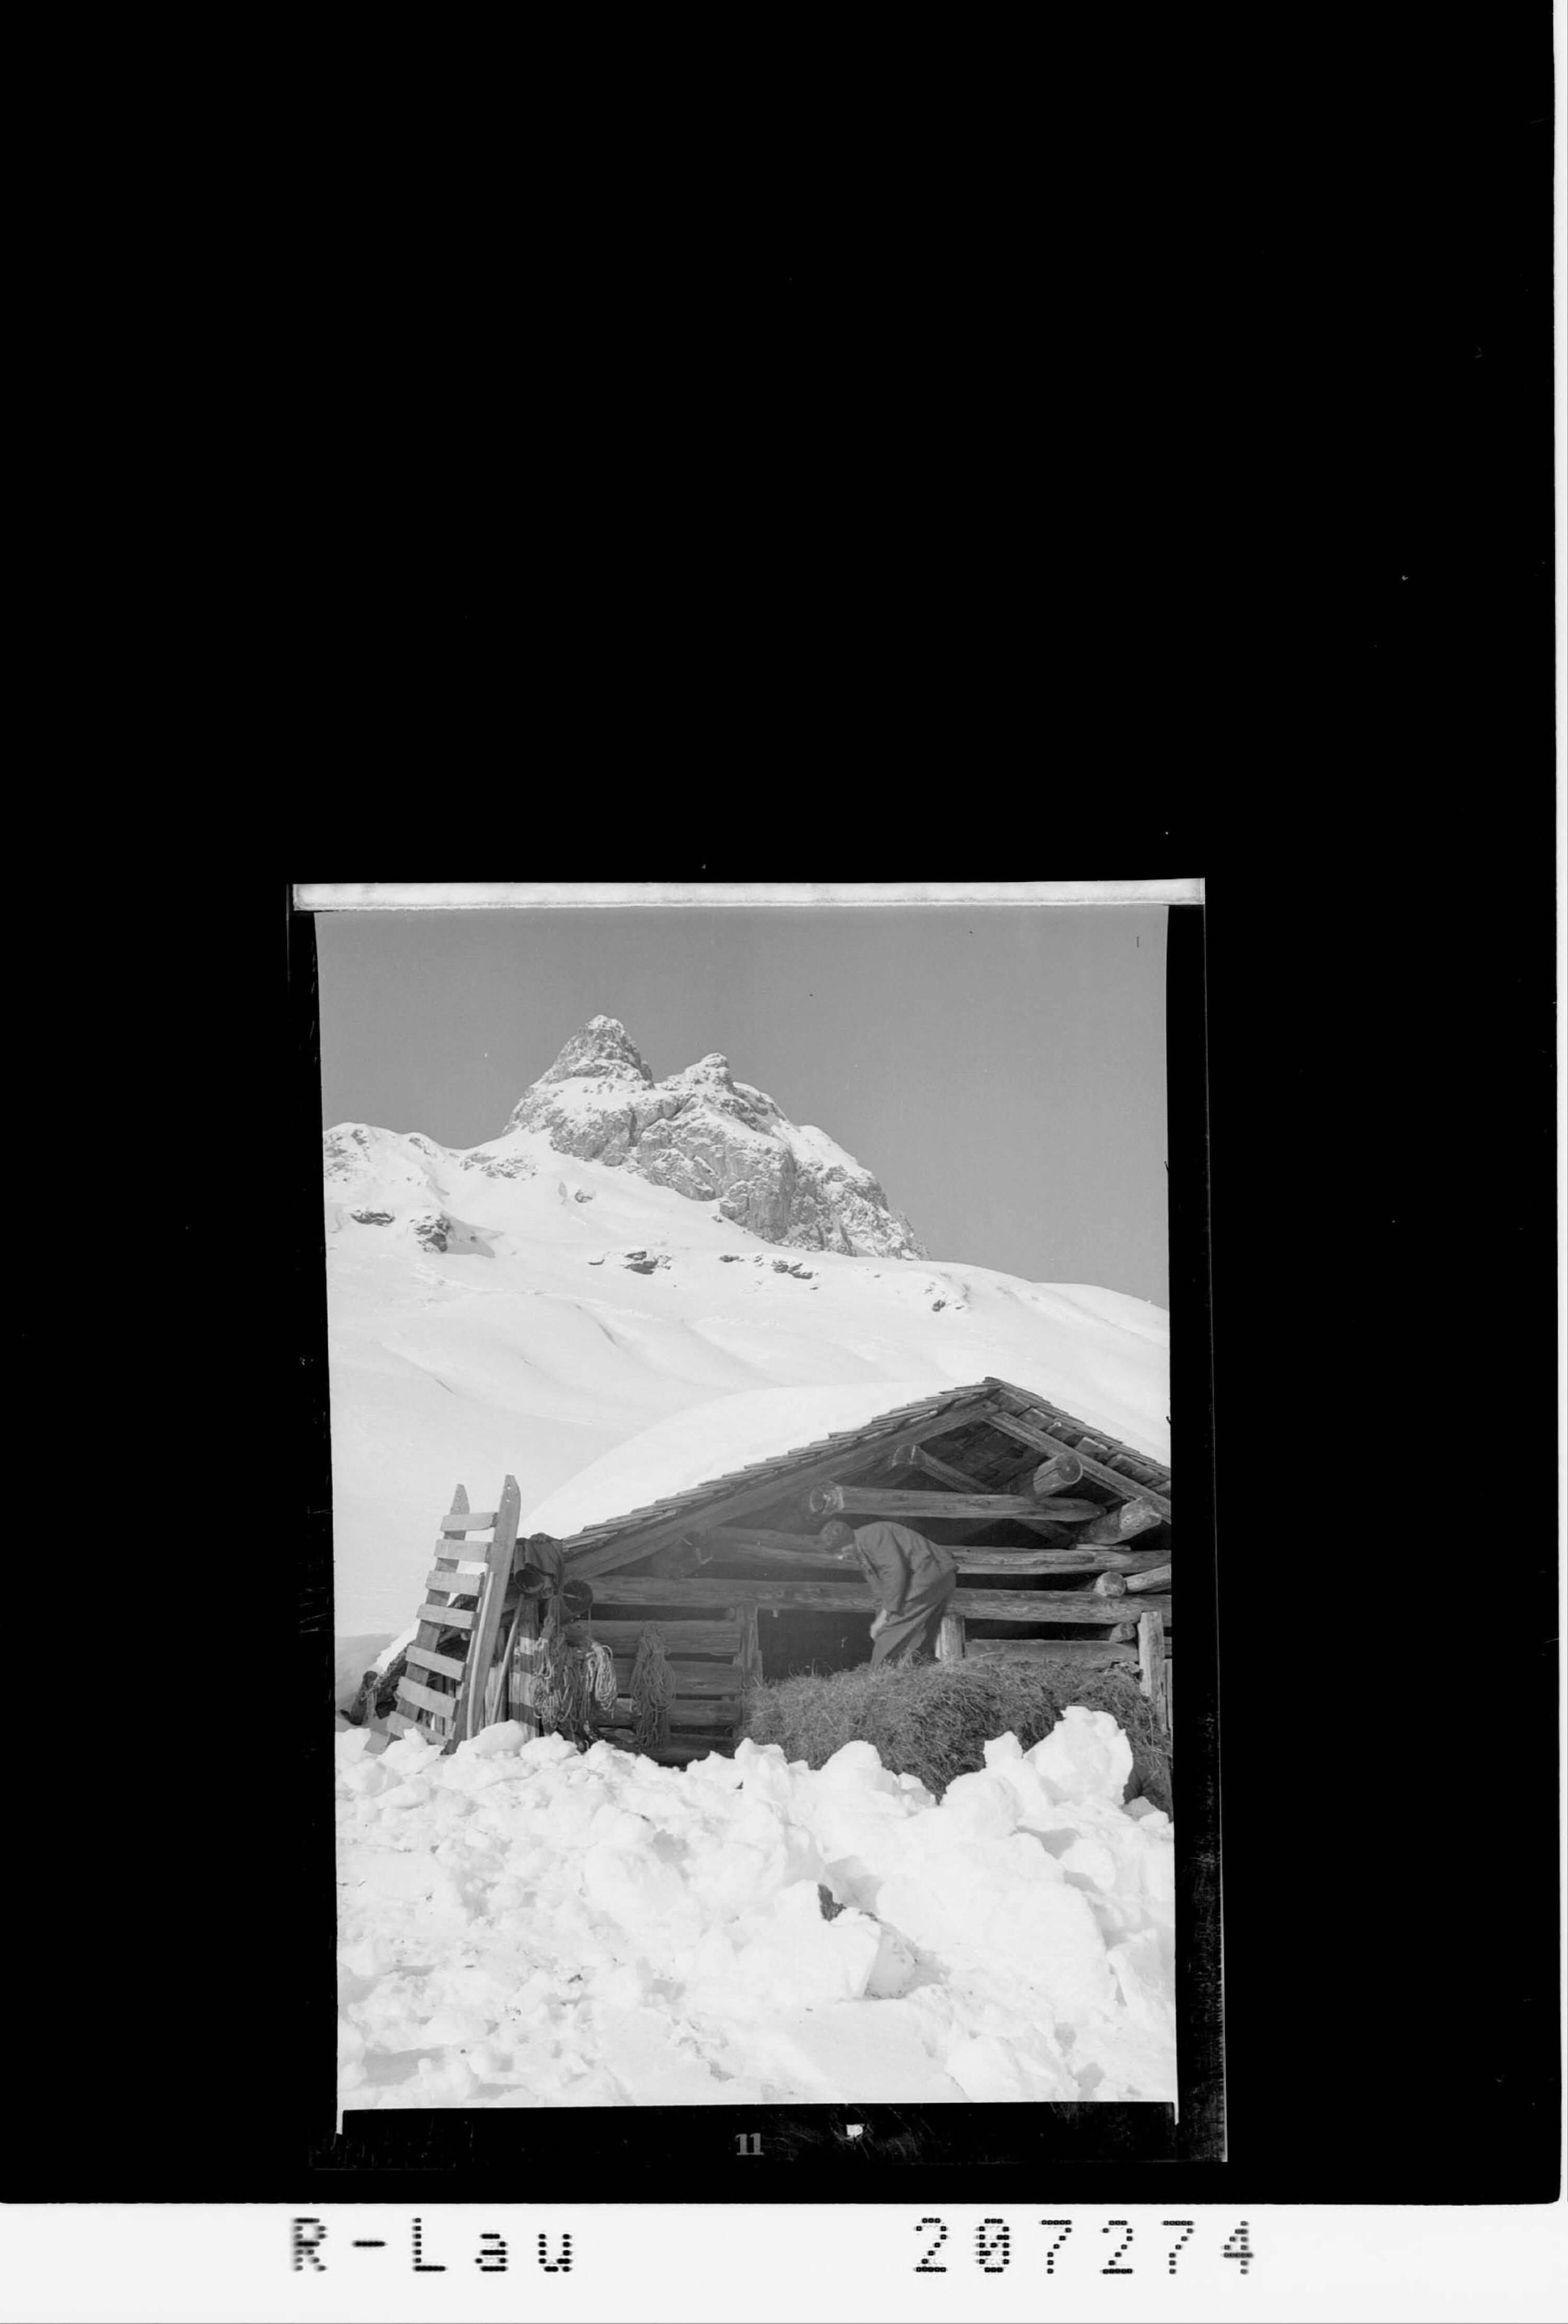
(1061, 1533)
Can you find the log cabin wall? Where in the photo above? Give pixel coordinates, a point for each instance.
(1061, 1538)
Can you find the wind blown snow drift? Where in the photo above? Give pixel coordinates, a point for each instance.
(523, 1926)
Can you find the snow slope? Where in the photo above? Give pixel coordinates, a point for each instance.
(523, 1926)
(516, 1309)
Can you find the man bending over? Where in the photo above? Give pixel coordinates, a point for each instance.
(912, 1579)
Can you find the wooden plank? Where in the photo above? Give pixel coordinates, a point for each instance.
(398, 1723)
(718, 1721)
(426, 1698)
(950, 1637)
(1028, 1431)
(633, 1590)
(448, 1618)
(842, 1596)
(715, 1639)
(468, 1520)
(444, 1666)
(692, 1712)
(486, 1630)
(689, 1677)
(1038, 1606)
(1153, 1577)
(638, 1540)
(889, 1501)
(1049, 1650)
(461, 1585)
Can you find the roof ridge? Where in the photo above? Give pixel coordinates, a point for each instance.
(693, 1497)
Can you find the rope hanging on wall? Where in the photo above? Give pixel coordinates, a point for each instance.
(574, 1672)
(650, 1691)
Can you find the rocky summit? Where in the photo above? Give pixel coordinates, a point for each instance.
(707, 1136)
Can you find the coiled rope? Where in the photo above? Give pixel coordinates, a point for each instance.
(650, 1689)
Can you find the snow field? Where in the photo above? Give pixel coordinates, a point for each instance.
(523, 1925)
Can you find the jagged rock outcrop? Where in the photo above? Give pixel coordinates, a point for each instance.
(715, 1139)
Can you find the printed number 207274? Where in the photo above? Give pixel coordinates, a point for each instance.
(993, 2245)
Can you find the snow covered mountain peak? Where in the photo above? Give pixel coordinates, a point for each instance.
(525, 1306)
(705, 1135)
(601, 1051)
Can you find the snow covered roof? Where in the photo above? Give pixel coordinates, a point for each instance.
(577, 1514)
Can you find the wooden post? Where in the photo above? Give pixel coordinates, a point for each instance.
(470, 1716)
(748, 1657)
(951, 1638)
(1151, 1667)
(1153, 1577)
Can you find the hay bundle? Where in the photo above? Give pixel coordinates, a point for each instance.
(933, 1720)
(651, 1688)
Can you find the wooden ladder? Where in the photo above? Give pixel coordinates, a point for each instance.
(442, 1694)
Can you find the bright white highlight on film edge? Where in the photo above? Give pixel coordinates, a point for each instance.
(579, 895)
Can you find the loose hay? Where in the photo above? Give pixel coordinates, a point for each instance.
(934, 1719)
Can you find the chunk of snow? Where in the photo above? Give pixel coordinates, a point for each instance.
(858, 1765)
(1086, 1757)
(506, 1736)
(983, 1804)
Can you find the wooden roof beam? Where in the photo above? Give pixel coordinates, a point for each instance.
(888, 1501)
(1055, 1475)
(1073, 1605)
(917, 1456)
(797, 1552)
(1029, 1432)
(1122, 1523)
(984, 1557)
(785, 1482)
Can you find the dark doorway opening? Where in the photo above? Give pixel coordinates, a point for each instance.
(794, 1643)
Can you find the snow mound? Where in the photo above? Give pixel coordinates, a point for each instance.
(522, 1925)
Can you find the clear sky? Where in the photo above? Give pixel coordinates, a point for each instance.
(1001, 1071)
